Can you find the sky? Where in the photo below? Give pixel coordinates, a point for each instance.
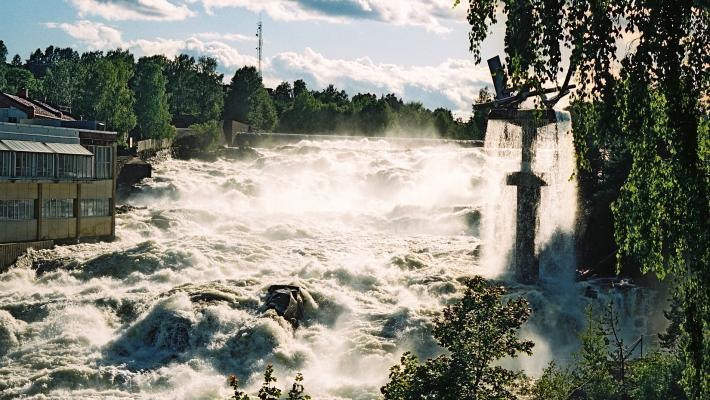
(417, 49)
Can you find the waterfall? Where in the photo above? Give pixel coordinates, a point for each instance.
(553, 161)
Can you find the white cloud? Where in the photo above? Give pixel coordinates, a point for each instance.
(97, 36)
(93, 34)
(226, 55)
(433, 15)
(119, 10)
(453, 83)
(227, 37)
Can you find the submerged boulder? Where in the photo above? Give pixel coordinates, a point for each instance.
(286, 300)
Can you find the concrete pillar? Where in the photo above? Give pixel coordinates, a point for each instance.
(38, 209)
(525, 261)
(114, 177)
(77, 210)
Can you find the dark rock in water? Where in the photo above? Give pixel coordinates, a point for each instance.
(286, 300)
(43, 266)
(590, 292)
(475, 252)
(239, 153)
(126, 208)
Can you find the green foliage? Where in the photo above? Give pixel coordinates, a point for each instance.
(233, 382)
(283, 97)
(205, 136)
(17, 79)
(268, 391)
(151, 107)
(650, 108)
(194, 88)
(3, 52)
(3, 69)
(249, 102)
(39, 61)
(297, 391)
(604, 368)
(62, 83)
(105, 94)
(594, 368)
(554, 384)
(210, 95)
(656, 377)
(478, 330)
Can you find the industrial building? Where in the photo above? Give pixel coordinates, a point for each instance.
(57, 178)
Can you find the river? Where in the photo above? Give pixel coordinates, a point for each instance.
(378, 235)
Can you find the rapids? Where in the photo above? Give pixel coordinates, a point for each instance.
(379, 235)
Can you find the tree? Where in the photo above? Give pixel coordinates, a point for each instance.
(181, 87)
(151, 106)
(39, 62)
(3, 52)
(444, 122)
(17, 79)
(478, 330)
(603, 369)
(210, 95)
(248, 101)
(283, 97)
(299, 86)
(376, 117)
(16, 61)
(297, 391)
(655, 100)
(105, 94)
(301, 116)
(331, 95)
(233, 382)
(268, 391)
(61, 83)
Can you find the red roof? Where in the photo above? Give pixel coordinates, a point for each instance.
(33, 108)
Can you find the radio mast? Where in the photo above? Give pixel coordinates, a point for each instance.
(260, 36)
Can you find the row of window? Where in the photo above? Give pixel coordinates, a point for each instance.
(59, 166)
(58, 208)
(17, 209)
(95, 208)
(53, 208)
(102, 161)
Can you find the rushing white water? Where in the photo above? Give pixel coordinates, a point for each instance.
(379, 236)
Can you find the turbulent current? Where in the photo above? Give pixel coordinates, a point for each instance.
(379, 236)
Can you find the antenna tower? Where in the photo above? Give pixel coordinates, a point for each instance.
(260, 36)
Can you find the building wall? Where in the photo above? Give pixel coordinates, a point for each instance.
(18, 231)
(11, 251)
(43, 228)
